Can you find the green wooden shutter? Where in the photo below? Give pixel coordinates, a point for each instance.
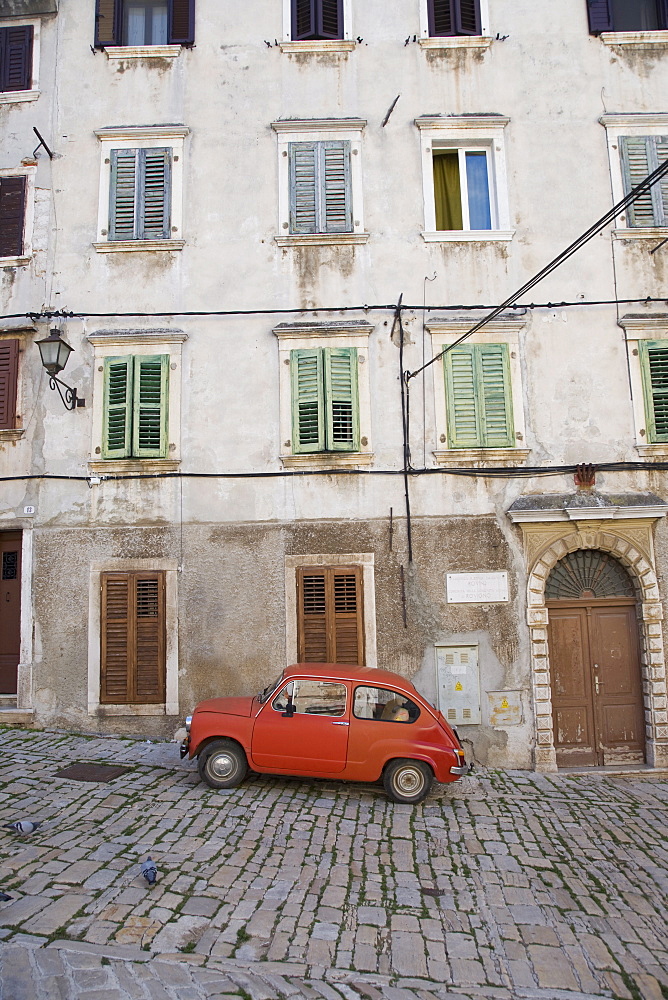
(308, 401)
(336, 209)
(495, 395)
(116, 434)
(154, 202)
(341, 399)
(149, 422)
(123, 194)
(303, 210)
(461, 393)
(654, 368)
(640, 156)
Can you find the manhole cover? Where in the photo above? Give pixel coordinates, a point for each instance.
(91, 772)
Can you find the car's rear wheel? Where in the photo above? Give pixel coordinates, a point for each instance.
(222, 764)
(407, 780)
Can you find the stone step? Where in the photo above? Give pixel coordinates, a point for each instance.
(15, 716)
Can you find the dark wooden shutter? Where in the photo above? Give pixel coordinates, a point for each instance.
(12, 215)
(641, 155)
(441, 20)
(303, 19)
(108, 20)
(600, 16)
(16, 58)
(133, 638)
(662, 10)
(9, 366)
(330, 620)
(331, 19)
(182, 22)
(317, 19)
(467, 17)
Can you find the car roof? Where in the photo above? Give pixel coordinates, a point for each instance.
(350, 672)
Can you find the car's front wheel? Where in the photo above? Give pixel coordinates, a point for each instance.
(407, 780)
(222, 764)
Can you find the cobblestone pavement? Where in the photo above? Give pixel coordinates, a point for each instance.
(505, 885)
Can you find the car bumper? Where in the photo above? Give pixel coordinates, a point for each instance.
(183, 749)
(462, 770)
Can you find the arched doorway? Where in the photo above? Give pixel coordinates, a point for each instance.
(597, 697)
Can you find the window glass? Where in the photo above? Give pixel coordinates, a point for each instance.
(478, 190)
(635, 15)
(461, 189)
(146, 23)
(383, 705)
(311, 697)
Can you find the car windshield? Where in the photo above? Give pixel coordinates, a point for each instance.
(269, 690)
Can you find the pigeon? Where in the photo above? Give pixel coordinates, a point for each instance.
(149, 871)
(4, 897)
(23, 826)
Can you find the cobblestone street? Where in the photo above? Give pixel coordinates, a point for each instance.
(505, 885)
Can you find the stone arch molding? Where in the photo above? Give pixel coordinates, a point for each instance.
(638, 560)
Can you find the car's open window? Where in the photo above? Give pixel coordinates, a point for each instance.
(383, 705)
(311, 697)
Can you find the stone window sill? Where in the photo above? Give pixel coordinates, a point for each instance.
(111, 466)
(14, 261)
(107, 711)
(16, 96)
(328, 460)
(647, 38)
(657, 451)
(327, 45)
(11, 433)
(456, 42)
(134, 246)
(142, 51)
(641, 233)
(482, 457)
(469, 236)
(321, 239)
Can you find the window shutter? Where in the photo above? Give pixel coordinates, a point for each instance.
(9, 366)
(336, 210)
(467, 17)
(341, 399)
(441, 20)
(302, 165)
(494, 375)
(600, 16)
(182, 22)
(133, 638)
(107, 22)
(154, 197)
(663, 13)
(149, 422)
(303, 19)
(329, 615)
(308, 401)
(330, 18)
(117, 407)
(16, 58)
(461, 391)
(640, 156)
(12, 215)
(123, 194)
(654, 367)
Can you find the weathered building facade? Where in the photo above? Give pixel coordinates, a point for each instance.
(220, 218)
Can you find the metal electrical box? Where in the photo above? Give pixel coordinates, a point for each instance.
(458, 677)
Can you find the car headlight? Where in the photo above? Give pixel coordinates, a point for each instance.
(189, 720)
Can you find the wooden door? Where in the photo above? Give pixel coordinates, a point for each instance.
(10, 609)
(596, 686)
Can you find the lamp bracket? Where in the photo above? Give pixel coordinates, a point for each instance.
(69, 397)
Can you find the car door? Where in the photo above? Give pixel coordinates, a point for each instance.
(303, 728)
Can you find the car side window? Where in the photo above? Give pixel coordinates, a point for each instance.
(383, 705)
(310, 697)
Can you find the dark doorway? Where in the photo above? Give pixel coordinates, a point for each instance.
(10, 609)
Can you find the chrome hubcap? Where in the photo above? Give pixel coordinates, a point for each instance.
(222, 765)
(409, 781)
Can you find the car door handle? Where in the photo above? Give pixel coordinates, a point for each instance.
(340, 723)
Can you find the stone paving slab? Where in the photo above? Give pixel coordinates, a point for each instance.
(505, 885)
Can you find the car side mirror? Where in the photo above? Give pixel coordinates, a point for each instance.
(289, 711)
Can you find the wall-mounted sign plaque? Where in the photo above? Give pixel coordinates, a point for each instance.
(477, 588)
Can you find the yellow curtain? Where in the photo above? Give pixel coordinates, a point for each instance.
(447, 190)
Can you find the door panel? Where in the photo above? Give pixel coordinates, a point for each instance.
(572, 707)
(619, 707)
(10, 609)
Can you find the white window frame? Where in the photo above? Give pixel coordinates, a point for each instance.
(115, 343)
(617, 126)
(485, 132)
(29, 172)
(320, 130)
(444, 332)
(171, 137)
(345, 44)
(363, 559)
(15, 96)
(171, 703)
(305, 336)
(638, 328)
(481, 41)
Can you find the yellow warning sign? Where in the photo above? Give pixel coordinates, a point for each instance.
(504, 703)
(458, 686)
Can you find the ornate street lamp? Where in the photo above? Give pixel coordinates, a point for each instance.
(55, 352)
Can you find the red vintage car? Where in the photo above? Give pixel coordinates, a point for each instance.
(328, 721)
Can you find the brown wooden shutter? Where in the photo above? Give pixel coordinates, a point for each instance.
(9, 366)
(330, 615)
(182, 22)
(12, 214)
(133, 639)
(107, 22)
